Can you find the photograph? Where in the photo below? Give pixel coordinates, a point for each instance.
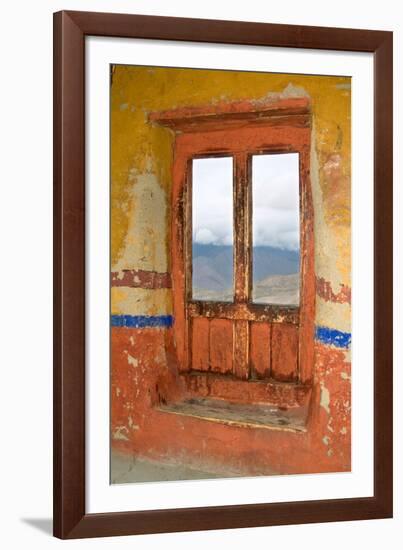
(230, 283)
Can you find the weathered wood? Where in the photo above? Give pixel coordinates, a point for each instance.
(241, 349)
(251, 391)
(307, 270)
(284, 352)
(208, 123)
(245, 312)
(250, 140)
(242, 233)
(254, 134)
(179, 200)
(242, 415)
(221, 345)
(187, 224)
(295, 111)
(260, 336)
(200, 344)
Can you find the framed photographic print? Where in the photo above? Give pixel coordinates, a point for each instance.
(223, 274)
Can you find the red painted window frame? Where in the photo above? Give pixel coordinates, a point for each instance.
(240, 130)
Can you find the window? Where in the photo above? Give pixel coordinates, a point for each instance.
(212, 229)
(275, 228)
(242, 246)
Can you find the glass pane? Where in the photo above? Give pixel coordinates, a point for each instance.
(212, 235)
(275, 222)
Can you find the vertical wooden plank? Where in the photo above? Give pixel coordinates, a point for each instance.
(284, 352)
(242, 228)
(241, 349)
(308, 290)
(221, 345)
(200, 344)
(178, 256)
(242, 239)
(187, 223)
(260, 335)
(188, 228)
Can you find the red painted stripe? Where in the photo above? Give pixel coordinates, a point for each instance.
(325, 291)
(139, 278)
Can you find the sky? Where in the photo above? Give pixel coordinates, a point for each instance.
(275, 201)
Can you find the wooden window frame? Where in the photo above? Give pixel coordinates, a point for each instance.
(210, 132)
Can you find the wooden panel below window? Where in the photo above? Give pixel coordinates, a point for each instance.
(221, 345)
(241, 349)
(200, 344)
(218, 386)
(260, 350)
(284, 352)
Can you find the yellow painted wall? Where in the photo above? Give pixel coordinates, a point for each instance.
(141, 159)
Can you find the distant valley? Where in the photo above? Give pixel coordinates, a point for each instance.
(276, 274)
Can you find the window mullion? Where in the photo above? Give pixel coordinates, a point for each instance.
(242, 229)
(242, 263)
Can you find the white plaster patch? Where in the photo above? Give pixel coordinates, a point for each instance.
(289, 91)
(120, 433)
(343, 86)
(132, 425)
(324, 398)
(326, 250)
(132, 361)
(294, 91)
(333, 315)
(145, 242)
(332, 164)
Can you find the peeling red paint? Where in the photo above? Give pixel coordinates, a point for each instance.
(144, 375)
(324, 290)
(139, 278)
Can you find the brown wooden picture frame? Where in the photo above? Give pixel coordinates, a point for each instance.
(70, 517)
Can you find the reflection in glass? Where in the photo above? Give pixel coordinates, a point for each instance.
(275, 223)
(212, 229)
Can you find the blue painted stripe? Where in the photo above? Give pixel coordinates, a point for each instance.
(325, 335)
(142, 321)
(333, 337)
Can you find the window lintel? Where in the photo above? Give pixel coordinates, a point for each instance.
(239, 113)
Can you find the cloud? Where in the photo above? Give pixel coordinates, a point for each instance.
(275, 206)
(205, 236)
(212, 200)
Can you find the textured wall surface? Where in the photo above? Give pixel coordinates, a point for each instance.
(141, 295)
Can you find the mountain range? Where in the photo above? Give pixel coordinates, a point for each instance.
(275, 273)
